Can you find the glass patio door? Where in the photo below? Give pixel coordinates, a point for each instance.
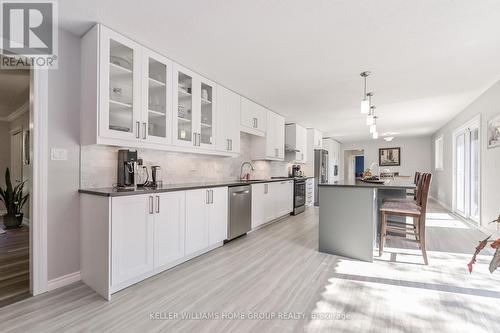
(467, 173)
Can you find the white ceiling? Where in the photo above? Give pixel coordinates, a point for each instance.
(429, 58)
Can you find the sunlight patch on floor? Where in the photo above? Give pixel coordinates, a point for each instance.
(398, 291)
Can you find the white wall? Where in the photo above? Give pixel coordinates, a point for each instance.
(63, 229)
(487, 105)
(415, 154)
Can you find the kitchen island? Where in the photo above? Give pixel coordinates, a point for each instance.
(349, 215)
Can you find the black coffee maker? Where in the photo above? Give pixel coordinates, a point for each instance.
(296, 171)
(127, 160)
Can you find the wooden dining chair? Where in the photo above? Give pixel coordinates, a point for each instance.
(407, 209)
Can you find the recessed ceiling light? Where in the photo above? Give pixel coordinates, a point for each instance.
(389, 138)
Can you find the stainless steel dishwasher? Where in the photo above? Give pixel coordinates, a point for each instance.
(240, 211)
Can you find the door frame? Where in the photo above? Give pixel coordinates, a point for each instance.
(38, 110)
(38, 199)
(475, 122)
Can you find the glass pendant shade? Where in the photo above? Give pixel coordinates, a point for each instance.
(370, 120)
(373, 128)
(365, 106)
(375, 135)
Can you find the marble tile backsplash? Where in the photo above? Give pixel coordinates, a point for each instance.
(98, 165)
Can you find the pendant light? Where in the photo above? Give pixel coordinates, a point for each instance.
(375, 135)
(373, 127)
(365, 102)
(370, 118)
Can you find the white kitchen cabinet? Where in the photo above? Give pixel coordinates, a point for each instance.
(271, 201)
(296, 143)
(169, 228)
(228, 120)
(282, 193)
(206, 218)
(272, 146)
(217, 215)
(333, 148)
(253, 118)
(111, 87)
(310, 192)
(194, 119)
(132, 230)
(156, 98)
(196, 220)
(316, 138)
(259, 197)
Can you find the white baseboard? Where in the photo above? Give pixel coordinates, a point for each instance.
(63, 281)
(440, 202)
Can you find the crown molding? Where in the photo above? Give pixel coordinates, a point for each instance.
(17, 113)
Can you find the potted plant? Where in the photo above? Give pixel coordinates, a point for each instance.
(495, 244)
(14, 201)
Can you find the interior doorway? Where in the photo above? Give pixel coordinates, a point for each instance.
(466, 170)
(354, 164)
(16, 176)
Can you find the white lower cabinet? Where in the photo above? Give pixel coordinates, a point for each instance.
(169, 228)
(270, 201)
(127, 239)
(206, 218)
(132, 230)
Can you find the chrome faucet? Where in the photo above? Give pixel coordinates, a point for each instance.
(241, 170)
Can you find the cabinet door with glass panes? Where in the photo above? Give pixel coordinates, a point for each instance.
(156, 98)
(207, 107)
(185, 120)
(120, 87)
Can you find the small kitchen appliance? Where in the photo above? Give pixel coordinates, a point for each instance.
(296, 172)
(127, 160)
(156, 176)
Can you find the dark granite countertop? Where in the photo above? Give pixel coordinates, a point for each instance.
(114, 192)
(389, 184)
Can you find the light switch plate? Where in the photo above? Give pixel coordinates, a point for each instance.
(58, 154)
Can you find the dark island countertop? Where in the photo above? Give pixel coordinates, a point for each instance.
(389, 184)
(115, 192)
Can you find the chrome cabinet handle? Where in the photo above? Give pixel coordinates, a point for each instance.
(208, 197)
(231, 144)
(256, 122)
(144, 133)
(151, 209)
(211, 196)
(157, 204)
(194, 139)
(266, 188)
(138, 129)
(228, 145)
(199, 139)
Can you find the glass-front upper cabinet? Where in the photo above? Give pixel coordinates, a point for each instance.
(207, 109)
(156, 98)
(120, 81)
(184, 120)
(194, 121)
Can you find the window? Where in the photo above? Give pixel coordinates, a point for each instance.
(438, 153)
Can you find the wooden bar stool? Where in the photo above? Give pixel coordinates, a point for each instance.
(407, 209)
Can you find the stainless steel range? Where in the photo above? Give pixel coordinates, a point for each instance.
(299, 195)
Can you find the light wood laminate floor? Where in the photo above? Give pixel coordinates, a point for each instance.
(14, 265)
(278, 270)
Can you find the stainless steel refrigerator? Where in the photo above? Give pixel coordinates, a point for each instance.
(320, 171)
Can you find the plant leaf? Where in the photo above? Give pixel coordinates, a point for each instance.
(482, 244)
(495, 262)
